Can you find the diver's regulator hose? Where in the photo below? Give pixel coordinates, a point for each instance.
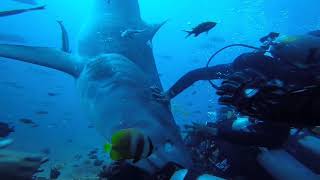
(222, 49)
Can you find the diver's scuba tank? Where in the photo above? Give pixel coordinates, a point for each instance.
(298, 50)
(182, 173)
(281, 165)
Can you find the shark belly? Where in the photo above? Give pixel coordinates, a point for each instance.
(116, 94)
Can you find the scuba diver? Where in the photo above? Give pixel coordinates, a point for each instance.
(244, 131)
(217, 149)
(282, 88)
(277, 85)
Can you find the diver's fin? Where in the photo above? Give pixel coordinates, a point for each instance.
(42, 56)
(107, 148)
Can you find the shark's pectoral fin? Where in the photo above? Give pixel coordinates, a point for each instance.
(43, 56)
(155, 28)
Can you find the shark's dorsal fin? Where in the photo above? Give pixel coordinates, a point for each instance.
(155, 29)
(43, 56)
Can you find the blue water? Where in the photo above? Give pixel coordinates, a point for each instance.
(238, 22)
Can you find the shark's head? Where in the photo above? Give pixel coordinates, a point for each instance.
(117, 95)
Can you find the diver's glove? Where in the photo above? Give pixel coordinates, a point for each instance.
(251, 93)
(271, 100)
(240, 88)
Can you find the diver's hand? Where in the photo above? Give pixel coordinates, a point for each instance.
(240, 88)
(200, 129)
(160, 96)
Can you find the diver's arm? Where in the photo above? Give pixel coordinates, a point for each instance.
(214, 72)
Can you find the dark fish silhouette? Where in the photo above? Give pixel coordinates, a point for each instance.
(19, 11)
(201, 28)
(46, 151)
(65, 38)
(52, 94)
(314, 33)
(5, 129)
(42, 112)
(28, 122)
(32, 2)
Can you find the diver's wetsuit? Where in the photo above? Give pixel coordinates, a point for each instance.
(257, 61)
(258, 134)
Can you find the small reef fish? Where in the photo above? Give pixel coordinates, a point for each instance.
(5, 129)
(32, 2)
(52, 94)
(65, 38)
(19, 11)
(42, 112)
(130, 33)
(5, 142)
(28, 122)
(314, 33)
(201, 28)
(46, 151)
(129, 144)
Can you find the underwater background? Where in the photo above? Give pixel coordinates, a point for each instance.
(49, 98)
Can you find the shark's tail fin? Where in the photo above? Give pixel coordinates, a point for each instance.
(189, 33)
(47, 57)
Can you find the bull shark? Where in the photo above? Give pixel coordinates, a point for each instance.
(113, 80)
(116, 94)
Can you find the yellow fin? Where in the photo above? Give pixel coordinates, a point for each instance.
(107, 148)
(114, 155)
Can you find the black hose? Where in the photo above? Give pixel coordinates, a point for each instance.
(220, 50)
(232, 45)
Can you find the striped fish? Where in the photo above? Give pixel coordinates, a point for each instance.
(129, 144)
